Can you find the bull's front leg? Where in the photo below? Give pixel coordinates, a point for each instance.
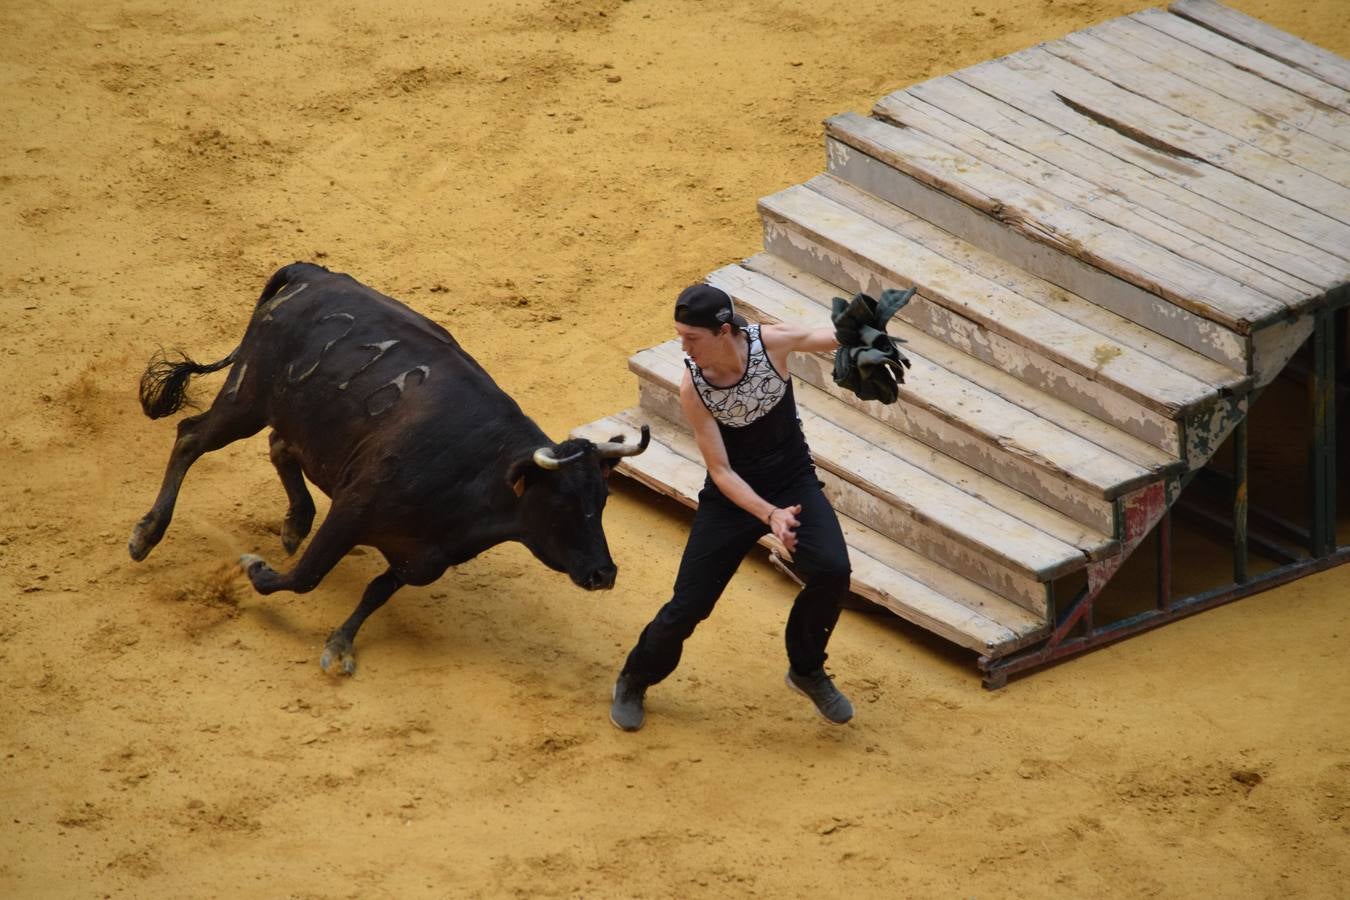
(340, 644)
(335, 537)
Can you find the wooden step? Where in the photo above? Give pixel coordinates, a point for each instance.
(996, 425)
(1033, 230)
(915, 507)
(1097, 373)
(995, 131)
(1204, 424)
(792, 284)
(884, 572)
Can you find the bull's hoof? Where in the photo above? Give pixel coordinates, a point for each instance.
(256, 569)
(143, 539)
(294, 531)
(338, 649)
(291, 537)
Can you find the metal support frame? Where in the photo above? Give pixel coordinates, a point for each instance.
(1078, 618)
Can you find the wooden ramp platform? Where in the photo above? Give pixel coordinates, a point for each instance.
(1118, 239)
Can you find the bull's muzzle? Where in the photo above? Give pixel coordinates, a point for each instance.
(601, 579)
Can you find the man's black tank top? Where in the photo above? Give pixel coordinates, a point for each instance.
(757, 416)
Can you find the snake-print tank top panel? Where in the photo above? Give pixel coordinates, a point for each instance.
(756, 416)
(753, 397)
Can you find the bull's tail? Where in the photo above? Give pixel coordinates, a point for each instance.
(164, 384)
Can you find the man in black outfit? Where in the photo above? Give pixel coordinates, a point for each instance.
(738, 399)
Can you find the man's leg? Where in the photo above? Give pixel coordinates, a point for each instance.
(821, 560)
(721, 536)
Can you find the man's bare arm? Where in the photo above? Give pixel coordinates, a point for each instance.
(733, 486)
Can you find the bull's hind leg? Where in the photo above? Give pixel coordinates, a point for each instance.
(300, 513)
(220, 425)
(339, 646)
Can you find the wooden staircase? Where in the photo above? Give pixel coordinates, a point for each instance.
(1116, 239)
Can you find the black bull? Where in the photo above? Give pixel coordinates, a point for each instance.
(425, 458)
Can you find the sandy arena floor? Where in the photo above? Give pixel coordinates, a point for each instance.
(540, 176)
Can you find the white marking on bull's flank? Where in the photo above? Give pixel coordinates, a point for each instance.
(375, 408)
(297, 379)
(398, 382)
(279, 298)
(380, 349)
(351, 323)
(236, 379)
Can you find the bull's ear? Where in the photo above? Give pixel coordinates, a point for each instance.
(517, 473)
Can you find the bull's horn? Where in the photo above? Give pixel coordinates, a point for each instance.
(544, 459)
(615, 449)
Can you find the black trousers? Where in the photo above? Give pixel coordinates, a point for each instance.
(721, 536)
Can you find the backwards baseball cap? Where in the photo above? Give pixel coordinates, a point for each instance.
(706, 307)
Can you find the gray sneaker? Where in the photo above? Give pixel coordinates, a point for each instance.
(819, 687)
(626, 711)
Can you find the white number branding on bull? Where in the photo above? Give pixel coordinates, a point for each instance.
(236, 379)
(457, 469)
(380, 349)
(281, 297)
(290, 369)
(380, 400)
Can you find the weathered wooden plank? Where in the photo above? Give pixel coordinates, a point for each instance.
(883, 572)
(957, 416)
(1269, 40)
(1039, 217)
(1232, 191)
(1245, 58)
(1184, 97)
(1211, 339)
(951, 100)
(965, 594)
(1150, 121)
(1086, 194)
(901, 485)
(1227, 80)
(1012, 583)
(984, 369)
